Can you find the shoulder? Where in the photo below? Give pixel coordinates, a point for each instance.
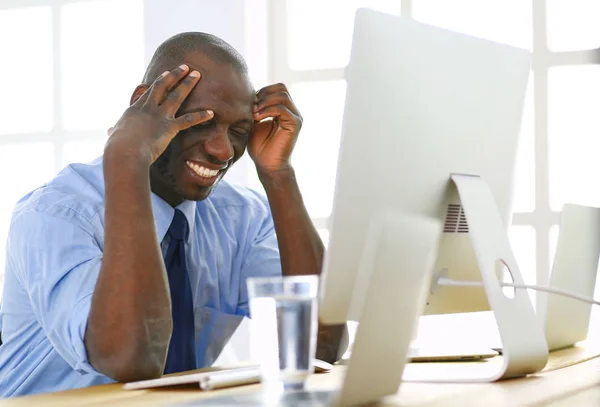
(75, 195)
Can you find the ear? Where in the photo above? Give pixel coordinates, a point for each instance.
(137, 93)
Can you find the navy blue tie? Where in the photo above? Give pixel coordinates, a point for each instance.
(182, 351)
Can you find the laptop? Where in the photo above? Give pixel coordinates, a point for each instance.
(566, 321)
(575, 269)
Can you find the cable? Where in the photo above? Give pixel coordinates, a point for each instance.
(448, 282)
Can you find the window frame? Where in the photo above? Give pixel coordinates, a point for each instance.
(58, 135)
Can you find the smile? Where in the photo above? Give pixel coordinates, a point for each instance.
(202, 171)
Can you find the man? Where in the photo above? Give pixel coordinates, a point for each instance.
(129, 267)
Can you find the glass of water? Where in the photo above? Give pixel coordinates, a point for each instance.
(284, 324)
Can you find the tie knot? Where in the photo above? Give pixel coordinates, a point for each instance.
(179, 226)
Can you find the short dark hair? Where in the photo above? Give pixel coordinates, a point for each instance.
(174, 50)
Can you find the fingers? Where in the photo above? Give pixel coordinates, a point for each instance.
(275, 101)
(180, 92)
(267, 90)
(192, 119)
(277, 98)
(142, 99)
(287, 120)
(164, 82)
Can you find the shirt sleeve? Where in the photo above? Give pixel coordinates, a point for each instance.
(58, 260)
(262, 257)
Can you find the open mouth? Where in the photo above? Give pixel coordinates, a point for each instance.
(206, 176)
(202, 171)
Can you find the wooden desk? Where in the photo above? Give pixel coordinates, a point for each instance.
(578, 384)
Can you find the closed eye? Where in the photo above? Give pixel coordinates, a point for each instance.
(204, 125)
(239, 132)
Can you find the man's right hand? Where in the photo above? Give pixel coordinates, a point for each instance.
(149, 124)
(130, 322)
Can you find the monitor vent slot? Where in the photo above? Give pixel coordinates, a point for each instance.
(456, 221)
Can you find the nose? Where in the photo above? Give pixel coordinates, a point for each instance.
(218, 144)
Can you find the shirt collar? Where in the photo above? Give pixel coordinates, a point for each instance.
(163, 214)
(189, 210)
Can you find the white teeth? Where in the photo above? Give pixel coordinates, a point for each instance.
(202, 171)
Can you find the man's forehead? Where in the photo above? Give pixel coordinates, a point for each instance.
(225, 86)
(223, 93)
(217, 77)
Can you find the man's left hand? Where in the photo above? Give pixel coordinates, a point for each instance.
(271, 142)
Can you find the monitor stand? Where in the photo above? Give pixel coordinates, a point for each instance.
(391, 290)
(524, 346)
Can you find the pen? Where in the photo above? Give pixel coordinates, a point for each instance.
(229, 378)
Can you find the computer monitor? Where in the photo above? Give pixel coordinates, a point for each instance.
(422, 103)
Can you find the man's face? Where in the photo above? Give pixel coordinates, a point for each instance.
(198, 157)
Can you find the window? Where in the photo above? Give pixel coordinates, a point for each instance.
(321, 40)
(572, 25)
(71, 69)
(573, 128)
(556, 158)
(113, 57)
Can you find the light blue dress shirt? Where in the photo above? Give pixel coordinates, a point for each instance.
(54, 252)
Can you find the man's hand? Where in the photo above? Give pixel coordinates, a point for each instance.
(270, 145)
(271, 142)
(148, 125)
(130, 323)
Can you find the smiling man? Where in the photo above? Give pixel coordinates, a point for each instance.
(131, 266)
